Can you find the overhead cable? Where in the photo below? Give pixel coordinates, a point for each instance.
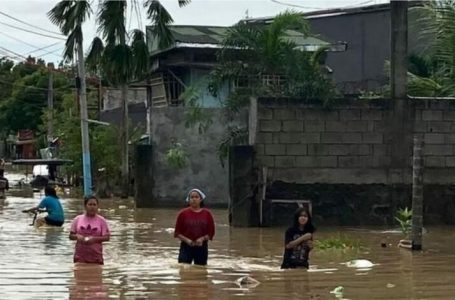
(33, 32)
(28, 24)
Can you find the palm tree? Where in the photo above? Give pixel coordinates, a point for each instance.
(69, 17)
(124, 58)
(432, 71)
(120, 63)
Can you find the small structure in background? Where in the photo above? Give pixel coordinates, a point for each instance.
(25, 144)
(44, 170)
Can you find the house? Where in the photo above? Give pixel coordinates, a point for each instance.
(187, 62)
(366, 32)
(25, 144)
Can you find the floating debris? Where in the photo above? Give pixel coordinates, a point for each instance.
(247, 281)
(359, 264)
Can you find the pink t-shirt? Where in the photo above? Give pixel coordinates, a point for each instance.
(95, 226)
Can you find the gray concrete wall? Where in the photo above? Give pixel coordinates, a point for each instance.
(112, 97)
(361, 66)
(343, 159)
(352, 143)
(204, 169)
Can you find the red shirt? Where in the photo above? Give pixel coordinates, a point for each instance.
(194, 225)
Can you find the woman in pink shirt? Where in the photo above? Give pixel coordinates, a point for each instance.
(90, 230)
(194, 228)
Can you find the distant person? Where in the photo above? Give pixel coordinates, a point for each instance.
(194, 227)
(90, 230)
(298, 241)
(51, 204)
(4, 184)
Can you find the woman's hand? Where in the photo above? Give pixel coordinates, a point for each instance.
(80, 238)
(189, 242)
(200, 241)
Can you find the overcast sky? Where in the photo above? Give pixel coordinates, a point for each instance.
(17, 42)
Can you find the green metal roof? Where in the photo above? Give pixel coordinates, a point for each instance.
(212, 36)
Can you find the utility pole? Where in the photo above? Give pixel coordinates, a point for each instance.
(399, 49)
(81, 85)
(50, 104)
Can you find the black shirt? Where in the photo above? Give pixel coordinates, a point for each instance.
(296, 257)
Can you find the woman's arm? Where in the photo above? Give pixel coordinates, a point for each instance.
(97, 239)
(76, 237)
(298, 241)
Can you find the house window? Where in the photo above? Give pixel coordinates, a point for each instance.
(166, 90)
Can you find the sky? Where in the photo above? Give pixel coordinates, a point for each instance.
(26, 30)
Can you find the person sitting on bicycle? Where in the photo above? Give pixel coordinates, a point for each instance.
(4, 185)
(53, 207)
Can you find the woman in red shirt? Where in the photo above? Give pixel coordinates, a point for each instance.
(194, 227)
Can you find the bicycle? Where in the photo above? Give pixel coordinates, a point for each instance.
(35, 213)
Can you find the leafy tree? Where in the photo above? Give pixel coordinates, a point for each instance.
(266, 62)
(23, 107)
(104, 140)
(122, 58)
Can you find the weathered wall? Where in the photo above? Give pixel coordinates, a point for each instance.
(112, 97)
(203, 170)
(136, 113)
(354, 151)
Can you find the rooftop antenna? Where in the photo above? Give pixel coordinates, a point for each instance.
(247, 16)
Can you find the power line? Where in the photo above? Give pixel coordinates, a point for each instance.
(52, 52)
(28, 44)
(295, 5)
(23, 22)
(313, 7)
(42, 48)
(18, 55)
(34, 32)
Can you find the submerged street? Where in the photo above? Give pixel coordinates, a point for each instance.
(141, 261)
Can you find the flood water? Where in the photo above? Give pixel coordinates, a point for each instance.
(141, 261)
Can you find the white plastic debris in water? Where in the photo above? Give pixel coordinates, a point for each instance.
(390, 285)
(247, 281)
(359, 264)
(122, 206)
(169, 230)
(338, 291)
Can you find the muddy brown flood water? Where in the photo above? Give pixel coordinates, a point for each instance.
(141, 261)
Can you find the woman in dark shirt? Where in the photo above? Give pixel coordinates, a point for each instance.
(298, 241)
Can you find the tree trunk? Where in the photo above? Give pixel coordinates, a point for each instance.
(84, 123)
(124, 141)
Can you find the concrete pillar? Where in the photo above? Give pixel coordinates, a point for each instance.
(143, 177)
(243, 208)
(252, 121)
(417, 193)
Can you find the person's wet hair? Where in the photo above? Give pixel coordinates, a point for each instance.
(87, 198)
(309, 227)
(50, 191)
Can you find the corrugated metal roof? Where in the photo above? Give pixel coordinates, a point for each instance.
(212, 36)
